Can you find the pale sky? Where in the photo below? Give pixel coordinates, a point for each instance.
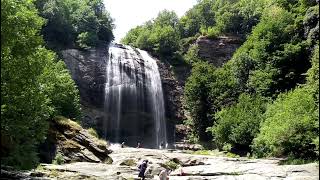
(131, 13)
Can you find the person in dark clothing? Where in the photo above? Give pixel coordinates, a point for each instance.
(161, 145)
(142, 169)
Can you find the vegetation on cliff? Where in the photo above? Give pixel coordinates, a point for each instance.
(266, 98)
(80, 23)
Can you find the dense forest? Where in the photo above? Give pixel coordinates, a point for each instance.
(265, 99)
(35, 84)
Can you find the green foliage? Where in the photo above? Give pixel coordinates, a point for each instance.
(238, 17)
(196, 95)
(160, 36)
(207, 90)
(24, 107)
(191, 57)
(27, 89)
(75, 21)
(313, 72)
(86, 40)
(211, 32)
(294, 161)
(201, 15)
(232, 155)
(207, 152)
(60, 88)
(272, 60)
(93, 132)
(291, 125)
(58, 159)
(240, 123)
(164, 40)
(227, 147)
(172, 165)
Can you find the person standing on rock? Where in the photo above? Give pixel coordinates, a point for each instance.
(161, 145)
(142, 169)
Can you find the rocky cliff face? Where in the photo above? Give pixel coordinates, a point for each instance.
(218, 51)
(88, 71)
(172, 91)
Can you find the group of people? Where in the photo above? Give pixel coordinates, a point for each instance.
(142, 171)
(162, 145)
(123, 145)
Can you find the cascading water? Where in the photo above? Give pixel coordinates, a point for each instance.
(134, 104)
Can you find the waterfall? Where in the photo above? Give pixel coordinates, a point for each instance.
(134, 104)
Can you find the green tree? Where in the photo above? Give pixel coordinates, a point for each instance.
(240, 123)
(207, 90)
(197, 91)
(69, 20)
(33, 85)
(57, 84)
(24, 106)
(291, 126)
(275, 60)
(160, 36)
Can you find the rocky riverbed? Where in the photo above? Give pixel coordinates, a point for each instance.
(126, 160)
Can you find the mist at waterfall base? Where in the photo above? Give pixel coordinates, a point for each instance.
(134, 103)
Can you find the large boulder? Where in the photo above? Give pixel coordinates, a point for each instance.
(73, 143)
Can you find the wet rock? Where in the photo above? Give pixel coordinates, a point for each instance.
(172, 91)
(193, 167)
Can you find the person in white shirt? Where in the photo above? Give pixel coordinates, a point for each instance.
(164, 174)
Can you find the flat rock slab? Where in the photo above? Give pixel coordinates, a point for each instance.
(206, 167)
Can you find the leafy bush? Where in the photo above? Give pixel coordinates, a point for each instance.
(86, 40)
(57, 83)
(290, 127)
(313, 72)
(240, 123)
(192, 56)
(232, 155)
(227, 147)
(295, 161)
(207, 152)
(213, 33)
(160, 36)
(58, 159)
(207, 90)
(196, 94)
(171, 165)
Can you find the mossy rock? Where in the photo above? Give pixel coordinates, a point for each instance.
(128, 162)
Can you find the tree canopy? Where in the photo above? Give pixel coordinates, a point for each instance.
(79, 23)
(35, 86)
